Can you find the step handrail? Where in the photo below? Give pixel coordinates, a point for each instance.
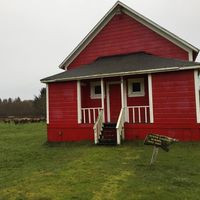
(120, 126)
(98, 126)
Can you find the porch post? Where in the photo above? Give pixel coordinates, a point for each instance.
(125, 102)
(102, 98)
(150, 98)
(123, 106)
(196, 86)
(79, 115)
(47, 103)
(122, 92)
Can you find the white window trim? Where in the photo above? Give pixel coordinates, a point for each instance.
(136, 94)
(92, 90)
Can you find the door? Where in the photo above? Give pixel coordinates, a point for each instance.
(115, 101)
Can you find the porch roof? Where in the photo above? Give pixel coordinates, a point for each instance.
(120, 65)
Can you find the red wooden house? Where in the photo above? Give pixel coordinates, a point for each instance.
(127, 78)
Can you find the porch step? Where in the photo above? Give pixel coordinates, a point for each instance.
(107, 142)
(109, 125)
(108, 135)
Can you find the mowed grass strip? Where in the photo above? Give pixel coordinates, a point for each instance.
(32, 169)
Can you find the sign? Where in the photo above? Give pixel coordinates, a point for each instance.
(159, 141)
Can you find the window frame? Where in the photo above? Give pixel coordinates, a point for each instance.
(92, 90)
(141, 93)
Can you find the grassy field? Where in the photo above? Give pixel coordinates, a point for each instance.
(32, 169)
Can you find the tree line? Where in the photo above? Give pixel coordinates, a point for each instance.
(24, 108)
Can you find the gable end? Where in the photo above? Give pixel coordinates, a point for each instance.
(122, 8)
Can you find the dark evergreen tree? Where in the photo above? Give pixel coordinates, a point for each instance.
(27, 108)
(39, 103)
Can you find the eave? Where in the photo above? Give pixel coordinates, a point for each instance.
(96, 76)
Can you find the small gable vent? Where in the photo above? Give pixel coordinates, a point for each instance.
(118, 11)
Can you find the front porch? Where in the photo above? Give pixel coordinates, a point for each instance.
(115, 101)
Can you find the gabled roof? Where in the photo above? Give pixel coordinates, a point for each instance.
(120, 7)
(120, 65)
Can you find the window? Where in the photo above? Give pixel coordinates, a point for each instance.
(95, 90)
(136, 87)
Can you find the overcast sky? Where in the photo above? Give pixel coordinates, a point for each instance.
(36, 35)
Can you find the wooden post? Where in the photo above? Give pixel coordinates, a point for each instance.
(125, 102)
(123, 105)
(102, 99)
(122, 92)
(150, 98)
(47, 103)
(79, 115)
(108, 102)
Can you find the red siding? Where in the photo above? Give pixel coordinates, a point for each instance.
(174, 97)
(63, 103)
(72, 133)
(125, 35)
(63, 114)
(189, 132)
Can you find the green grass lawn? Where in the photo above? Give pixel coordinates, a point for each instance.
(32, 169)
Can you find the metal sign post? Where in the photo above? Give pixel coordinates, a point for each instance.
(158, 141)
(154, 155)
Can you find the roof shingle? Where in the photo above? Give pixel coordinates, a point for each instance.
(119, 65)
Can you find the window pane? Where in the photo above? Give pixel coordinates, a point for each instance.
(97, 89)
(136, 87)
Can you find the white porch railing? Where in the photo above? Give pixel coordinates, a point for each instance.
(120, 126)
(89, 115)
(98, 127)
(138, 114)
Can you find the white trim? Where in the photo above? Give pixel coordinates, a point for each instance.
(47, 103)
(132, 13)
(190, 67)
(108, 102)
(92, 90)
(79, 114)
(190, 56)
(122, 92)
(196, 84)
(125, 102)
(167, 69)
(136, 94)
(108, 97)
(150, 98)
(102, 99)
